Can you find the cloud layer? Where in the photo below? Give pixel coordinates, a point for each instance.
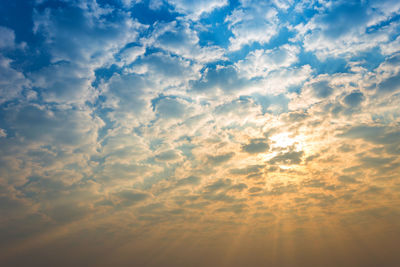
(153, 133)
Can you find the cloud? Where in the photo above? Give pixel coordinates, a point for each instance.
(170, 108)
(223, 78)
(12, 82)
(354, 99)
(126, 93)
(219, 159)
(287, 158)
(261, 62)
(375, 134)
(280, 189)
(7, 38)
(197, 8)
(3, 133)
(256, 146)
(180, 39)
(238, 121)
(191, 180)
(347, 179)
(130, 54)
(255, 22)
(328, 33)
(390, 84)
(84, 35)
(238, 208)
(169, 155)
(165, 70)
(218, 185)
(64, 83)
(55, 127)
(322, 89)
(250, 170)
(129, 197)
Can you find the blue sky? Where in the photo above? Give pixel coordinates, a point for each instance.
(154, 132)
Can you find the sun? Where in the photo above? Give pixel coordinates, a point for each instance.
(283, 140)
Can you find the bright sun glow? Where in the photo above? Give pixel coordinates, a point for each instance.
(283, 140)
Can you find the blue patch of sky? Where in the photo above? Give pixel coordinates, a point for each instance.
(381, 25)
(328, 66)
(370, 59)
(109, 124)
(145, 15)
(338, 18)
(217, 32)
(109, 3)
(17, 16)
(294, 17)
(104, 74)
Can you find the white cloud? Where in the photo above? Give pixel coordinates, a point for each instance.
(256, 22)
(128, 98)
(166, 70)
(328, 34)
(181, 40)
(170, 108)
(12, 82)
(196, 8)
(84, 36)
(7, 38)
(3, 133)
(392, 47)
(260, 62)
(65, 83)
(130, 54)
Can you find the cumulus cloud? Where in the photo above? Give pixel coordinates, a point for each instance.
(7, 38)
(64, 83)
(12, 82)
(288, 158)
(197, 8)
(256, 146)
(354, 98)
(255, 22)
(181, 39)
(261, 62)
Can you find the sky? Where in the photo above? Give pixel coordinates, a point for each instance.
(200, 133)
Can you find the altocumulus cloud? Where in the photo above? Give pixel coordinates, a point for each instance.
(154, 132)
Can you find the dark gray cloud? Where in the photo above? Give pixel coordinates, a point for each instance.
(219, 159)
(347, 179)
(354, 99)
(257, 145)
(280, 189)
(218, 185)
(322, 89)
(191, 180)
(248, 170)
(288, 158)
(225, 78)
(237, 208)
(383, 135)
(170, 108)
(130, 197)
(391, 84)
(167, 155)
